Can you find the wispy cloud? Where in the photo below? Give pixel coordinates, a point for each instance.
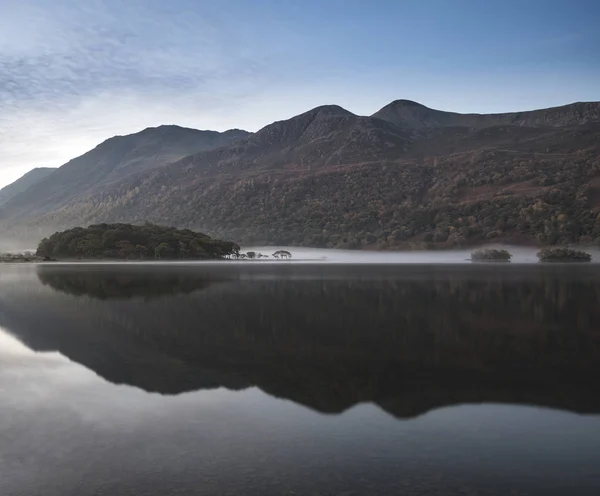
(73, 73)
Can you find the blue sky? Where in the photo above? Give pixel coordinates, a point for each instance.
(73, 73)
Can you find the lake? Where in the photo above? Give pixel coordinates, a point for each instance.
(300, 379)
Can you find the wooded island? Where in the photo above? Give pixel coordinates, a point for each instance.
(129, 242)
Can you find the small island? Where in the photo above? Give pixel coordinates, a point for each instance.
(130, 242)
(252, 255)
(563, 255)
(491, 255)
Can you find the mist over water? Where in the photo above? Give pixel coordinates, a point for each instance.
(13, 246)
(520, 255)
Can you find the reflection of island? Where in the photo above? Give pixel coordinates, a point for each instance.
(329, 338)
(115, 282)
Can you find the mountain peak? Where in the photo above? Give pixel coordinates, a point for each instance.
(37, 170)
(330, 110)
(174, 129)
(405, 103)
(409, 114)
(171, 128)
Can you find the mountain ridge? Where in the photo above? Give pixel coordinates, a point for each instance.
(409, 113)
(415, 177)
(112, 161)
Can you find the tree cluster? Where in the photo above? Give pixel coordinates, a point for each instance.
(251, 255)
(129, 242)
(563, 255)
(491, 255)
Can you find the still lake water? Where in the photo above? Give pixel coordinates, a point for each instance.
(300, 379)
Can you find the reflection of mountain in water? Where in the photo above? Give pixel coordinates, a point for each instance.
(407, 339)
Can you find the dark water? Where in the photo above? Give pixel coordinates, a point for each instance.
(300, 379)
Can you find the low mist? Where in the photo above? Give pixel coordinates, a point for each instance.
(8, 245)
(520, 254)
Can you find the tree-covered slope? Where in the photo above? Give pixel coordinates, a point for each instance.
(331, 178)
(544, 189)
(110, 162)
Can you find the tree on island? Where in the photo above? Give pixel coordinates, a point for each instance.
(251, 255)
(129, 242)
(563, 255)
(491, 255)
(282, 254)
(163, 251)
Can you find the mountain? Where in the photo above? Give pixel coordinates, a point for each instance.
(324, 137)
(406, 177)
(111, 162)
(34, 176)
(410, 114)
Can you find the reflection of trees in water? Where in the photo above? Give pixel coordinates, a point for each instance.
(406, 343)
(109, 284)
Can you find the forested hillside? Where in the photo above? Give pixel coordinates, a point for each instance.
(408, 176)
(110, 162)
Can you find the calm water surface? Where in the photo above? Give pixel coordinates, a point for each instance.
(300, 379)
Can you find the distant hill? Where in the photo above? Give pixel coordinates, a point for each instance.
(405, 177)
(111, 162)
(24, 183)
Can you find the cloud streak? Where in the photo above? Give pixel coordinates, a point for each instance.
(74, 73)
(70, 76)
(79, 52)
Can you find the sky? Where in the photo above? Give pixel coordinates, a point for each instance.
(74, 73)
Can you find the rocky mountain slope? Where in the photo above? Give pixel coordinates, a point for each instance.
(408, 176)
(24, 183)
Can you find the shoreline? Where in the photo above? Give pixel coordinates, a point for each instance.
(519, 254)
